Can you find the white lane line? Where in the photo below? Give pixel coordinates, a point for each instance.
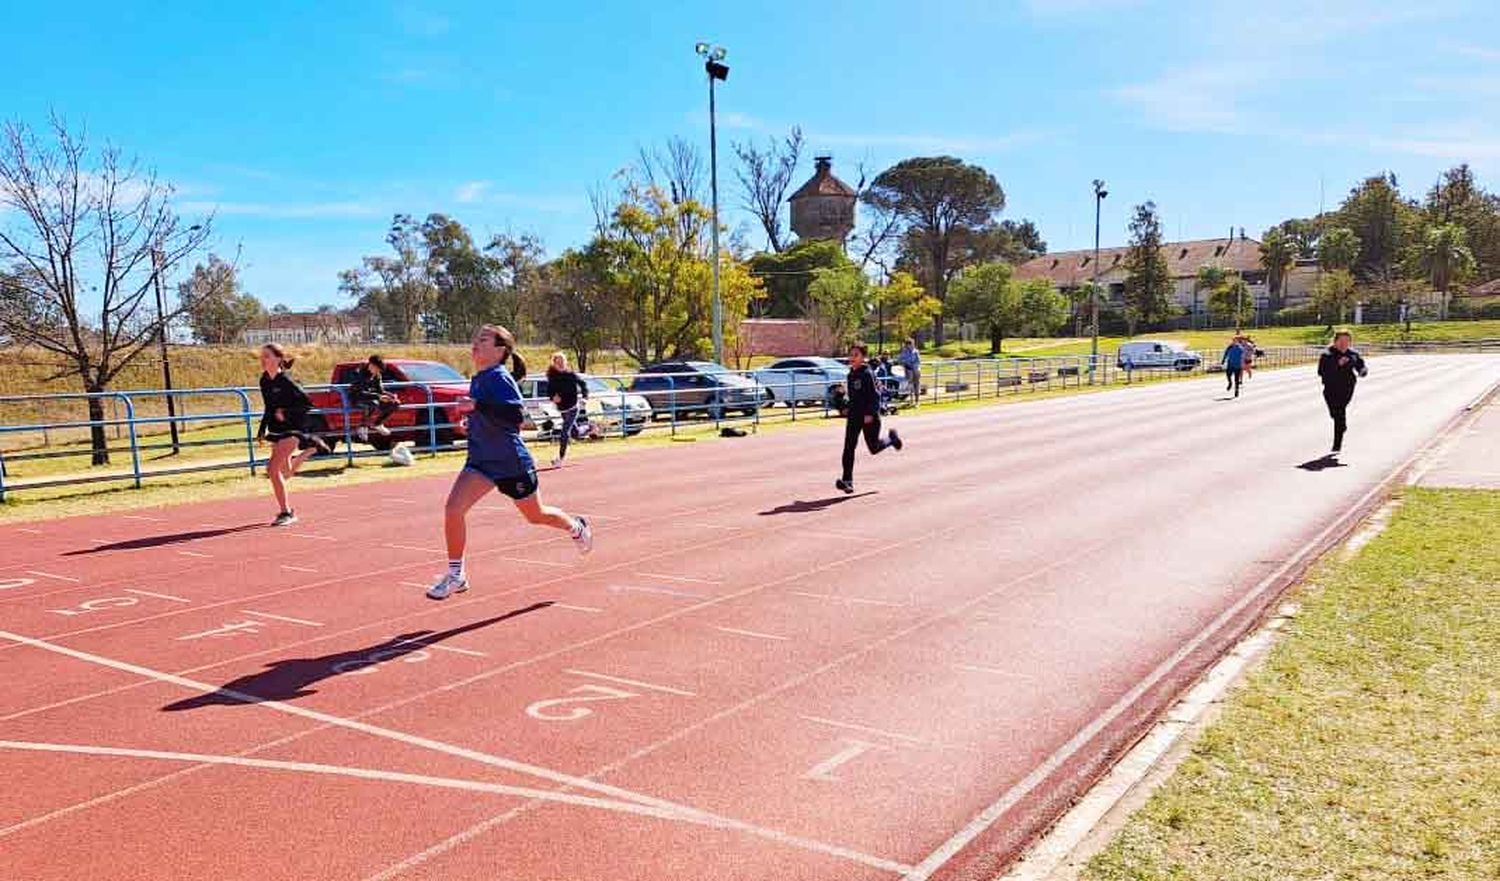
(666, 809)
(413, 584)
(443, 648)
(994, 671)
(823, 771)
(193, 554)
(297, 568)
(334, 770)
(285, 618)
(573, 608)
(41, 574)
(620, 680)
(714, 526)
(683, 578)
(832, 723)
(312, 536)
(838, 599)
(160, 596)
(29, 530)
(841, 536)
(537, 562)
(617, 588)
(752, 633)
(426, 550)
(394, 501)
(143, 518)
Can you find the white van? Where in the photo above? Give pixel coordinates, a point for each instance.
(1157, 355)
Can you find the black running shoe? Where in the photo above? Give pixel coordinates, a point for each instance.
(285, 518)
(895, 440)
(846, 485)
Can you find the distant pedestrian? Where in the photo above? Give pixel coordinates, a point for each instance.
(1340, 368)
(1248, 345)
(1233, 362)
(367, 392)
(497, 458)
(862, 416)
(565, 389)
(911, 360)
(285, 425)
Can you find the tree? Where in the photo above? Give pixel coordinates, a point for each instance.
(1457, 198)
(1231, 301)
(1334, 295)
(575, 302)
(1044, 311)
(397, 290)
(1278, 254)
(1210, 279)
(837, 302)
(787, 275)
(1008, 241)
(83, 231)
(1338, 248)
(1446, 258)
(463, 282)
(937, 198)
(1148, 283)
(515, 264)
(1386, 224)
(985, 295)
(904, 307)
(218, 311)
(765, 176)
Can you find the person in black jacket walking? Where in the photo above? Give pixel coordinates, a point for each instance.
(862, 416)
(1340, 368)
(284, 425)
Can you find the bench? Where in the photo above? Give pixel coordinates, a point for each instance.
(1007, 381)
(1038, 376)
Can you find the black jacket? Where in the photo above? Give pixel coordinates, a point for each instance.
(864, 394)
(1339, 379)
(283, 394)
(366, 389)
(565, 387)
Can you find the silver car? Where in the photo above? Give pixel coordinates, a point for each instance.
(809, 380)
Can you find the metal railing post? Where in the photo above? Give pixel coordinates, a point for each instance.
(672, 401)
(135, 449)
(348, 438)
(249, 432)
(431, 420)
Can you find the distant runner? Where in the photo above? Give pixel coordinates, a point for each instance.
(284, 425)
(1234, 366)
(565, 388)
(1340, 368)
(862, 416)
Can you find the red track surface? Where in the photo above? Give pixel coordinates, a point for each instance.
(752, 677)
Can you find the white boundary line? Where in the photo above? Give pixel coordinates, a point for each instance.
(297, 568)
(285, 618)
(839, 599)
(160, 596)
(663, 808)
(41, 574)
(620, 680)
(754, 634)
(906, 738)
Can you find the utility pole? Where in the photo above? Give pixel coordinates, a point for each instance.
(717, 70)
(157, 258)
(1099, 194)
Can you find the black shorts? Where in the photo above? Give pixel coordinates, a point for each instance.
(304, 441)
(515, 486)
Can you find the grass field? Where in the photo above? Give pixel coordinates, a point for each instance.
(1368, 747)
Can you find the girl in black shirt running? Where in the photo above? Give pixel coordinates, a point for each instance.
(283, 425)
(565, 388)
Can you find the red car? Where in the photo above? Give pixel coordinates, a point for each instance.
(450, 400)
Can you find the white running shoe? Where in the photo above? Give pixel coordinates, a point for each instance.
(447, 586)
(382, 431)
(557, 463)
(285, 518)
(583, 535)
(363, 434)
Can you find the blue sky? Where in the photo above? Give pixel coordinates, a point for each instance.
(306, 125)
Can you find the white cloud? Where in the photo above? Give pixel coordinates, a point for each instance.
(1479, 53)
(1457, 148)
(472, 191)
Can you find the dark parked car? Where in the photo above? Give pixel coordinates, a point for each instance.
(695, 386)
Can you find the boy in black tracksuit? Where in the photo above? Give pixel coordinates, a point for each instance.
(862, 416)
(1340, 368)
(367, 392)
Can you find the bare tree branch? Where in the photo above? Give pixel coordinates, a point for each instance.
(765, 176)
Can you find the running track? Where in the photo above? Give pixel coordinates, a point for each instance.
(752, 677)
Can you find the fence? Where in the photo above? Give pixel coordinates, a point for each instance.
(217, 427)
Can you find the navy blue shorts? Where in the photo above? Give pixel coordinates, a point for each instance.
(502, 474)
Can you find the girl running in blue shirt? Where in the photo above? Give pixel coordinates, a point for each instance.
(497, 458)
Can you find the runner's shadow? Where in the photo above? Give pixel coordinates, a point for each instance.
(156, 541)
(801, 507)
(1322, 463)
(291, 678)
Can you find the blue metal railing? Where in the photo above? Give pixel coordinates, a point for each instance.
(627, 406)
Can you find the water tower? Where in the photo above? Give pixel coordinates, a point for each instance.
(824, 207)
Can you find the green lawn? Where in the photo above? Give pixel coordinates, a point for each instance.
(1368, 746)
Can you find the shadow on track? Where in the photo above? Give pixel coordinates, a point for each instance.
(156, 541)
(290, 679)
(812, 507)
(1322, 463)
